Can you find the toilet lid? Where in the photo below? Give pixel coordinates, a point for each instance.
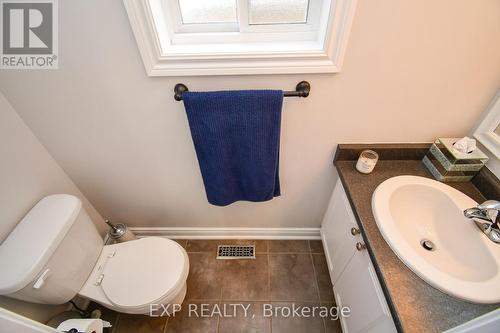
(143, 271)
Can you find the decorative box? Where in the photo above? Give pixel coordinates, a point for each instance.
(449, 165)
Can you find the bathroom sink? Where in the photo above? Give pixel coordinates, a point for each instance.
(422, 221)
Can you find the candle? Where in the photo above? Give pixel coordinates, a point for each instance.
(366, 161)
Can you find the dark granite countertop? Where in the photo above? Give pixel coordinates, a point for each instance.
(415, 305)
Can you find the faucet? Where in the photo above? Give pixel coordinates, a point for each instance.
(487, 218)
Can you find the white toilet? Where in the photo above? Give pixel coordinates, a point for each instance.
(55, 253)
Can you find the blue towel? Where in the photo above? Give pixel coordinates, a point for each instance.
(236, 135)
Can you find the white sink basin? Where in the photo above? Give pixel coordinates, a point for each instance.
(457, 258)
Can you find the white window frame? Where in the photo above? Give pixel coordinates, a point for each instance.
(312, 18)
(170, 48)
(239, 32)
(172, 9)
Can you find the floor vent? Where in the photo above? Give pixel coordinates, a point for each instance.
(236, 252)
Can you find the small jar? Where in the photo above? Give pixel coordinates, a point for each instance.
(367, 161)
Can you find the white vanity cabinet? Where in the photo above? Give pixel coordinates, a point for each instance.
(355, 283)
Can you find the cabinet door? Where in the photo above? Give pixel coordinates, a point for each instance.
(358, 288)
(338, 241)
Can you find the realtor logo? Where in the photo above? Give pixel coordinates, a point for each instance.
(29, 34)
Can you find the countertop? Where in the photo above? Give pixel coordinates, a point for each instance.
(415, 305)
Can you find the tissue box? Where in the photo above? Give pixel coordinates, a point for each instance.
(449, 165)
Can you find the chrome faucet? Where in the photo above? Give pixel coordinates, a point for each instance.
(487, 218)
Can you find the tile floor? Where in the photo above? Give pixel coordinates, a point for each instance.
(283, 273)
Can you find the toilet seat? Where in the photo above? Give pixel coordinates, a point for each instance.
(130, 276)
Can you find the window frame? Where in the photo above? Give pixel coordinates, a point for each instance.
(169, 53)
(172, 9)
(240, 32)
(313, 14)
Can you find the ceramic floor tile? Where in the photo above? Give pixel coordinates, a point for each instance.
(205, 277)
(139, 323)
(202, 245)
(246, 279)
(284, 322)
(289, 246)
(260, 245)
(316, 246)
(292, 277)
(195, 317)
(251, 320)
(182, 242)
(284, 271)
(332, 324)
(323, 278)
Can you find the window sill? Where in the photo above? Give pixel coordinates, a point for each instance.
(233, 59)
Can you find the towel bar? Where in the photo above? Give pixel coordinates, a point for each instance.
(301, 90)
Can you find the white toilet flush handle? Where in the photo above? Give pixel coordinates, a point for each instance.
(41, 280)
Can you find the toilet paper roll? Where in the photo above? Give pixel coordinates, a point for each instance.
(82, 325)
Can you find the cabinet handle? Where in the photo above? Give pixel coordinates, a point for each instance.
(360, 246)
(355, 231)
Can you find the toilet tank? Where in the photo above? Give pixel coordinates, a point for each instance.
(50, 254)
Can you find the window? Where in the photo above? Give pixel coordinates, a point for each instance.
(242, 16)
(206, 12)
(246, 25)
(217, 37)
(278, 12)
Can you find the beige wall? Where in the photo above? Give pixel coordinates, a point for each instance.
(413, 70)
(27, 174)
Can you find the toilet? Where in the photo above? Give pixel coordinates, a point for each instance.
(55, 253)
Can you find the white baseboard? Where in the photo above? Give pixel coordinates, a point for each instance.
(229, 233)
